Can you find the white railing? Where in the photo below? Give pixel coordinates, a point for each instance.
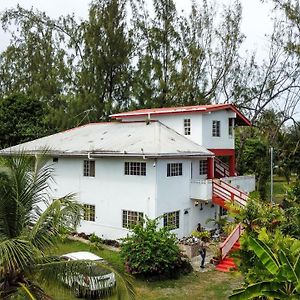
(201, 189)
(244, 183)
(234, 236)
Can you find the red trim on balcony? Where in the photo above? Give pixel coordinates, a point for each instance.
(223, 152)
(210, 168)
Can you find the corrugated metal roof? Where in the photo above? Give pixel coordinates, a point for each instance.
(241, 119)
(115, 139)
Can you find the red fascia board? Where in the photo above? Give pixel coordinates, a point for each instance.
(184, 110)
(223, 152)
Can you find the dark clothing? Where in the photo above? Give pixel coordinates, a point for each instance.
(202, 254)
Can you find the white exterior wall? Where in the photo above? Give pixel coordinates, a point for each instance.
(173, 194)
(110, 191)
(224, 141)
(201, 127)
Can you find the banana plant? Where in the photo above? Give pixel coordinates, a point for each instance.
(284, 282)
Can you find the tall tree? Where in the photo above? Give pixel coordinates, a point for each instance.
(158, 55)
(34, 62)
(209, 53)
(104, 75)
(21, 120)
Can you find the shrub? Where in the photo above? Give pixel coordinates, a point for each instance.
(201, 234)
(153, 252)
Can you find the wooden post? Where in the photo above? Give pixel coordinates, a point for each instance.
(232, 165)
(210, 168)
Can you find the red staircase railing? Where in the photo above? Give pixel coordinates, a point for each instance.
(234, 236)
(229, 193)
(223, 191)
(221, 168)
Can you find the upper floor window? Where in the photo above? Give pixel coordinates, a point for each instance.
(174, 169)
(131, 218)
(171, 219)
(230, 126)
(202, 167)
(89, 168)
(89, 212)
(216, 128)
(135, 168)
(187, 126)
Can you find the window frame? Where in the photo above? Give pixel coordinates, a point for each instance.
(187, 126)
(174, 169)
(172, 219)
(202, 168)
(89, 213)
(129, 220)
(89, 168)
(231, 127)
(135, 168)
(216, 128)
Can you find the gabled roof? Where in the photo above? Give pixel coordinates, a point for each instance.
(115, 139)
(241, 119)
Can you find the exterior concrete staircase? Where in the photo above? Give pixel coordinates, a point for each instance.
(224, 193)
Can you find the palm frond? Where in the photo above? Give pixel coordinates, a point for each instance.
(16, 255)
(63, 213)
(53, 269)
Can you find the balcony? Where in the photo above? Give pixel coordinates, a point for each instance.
(244, 183)
(201, 189)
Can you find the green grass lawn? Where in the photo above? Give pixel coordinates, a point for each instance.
(280, 187)
(211, 285)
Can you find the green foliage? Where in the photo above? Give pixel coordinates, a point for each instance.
(21, 120)
(152, 251)
(284, 270)
(27, 232)
(200, 235)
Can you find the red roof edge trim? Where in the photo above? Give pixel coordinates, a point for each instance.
(241, 119)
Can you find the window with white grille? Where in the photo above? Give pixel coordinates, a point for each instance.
(135, 168)
(89, 168)
(131, 218)
(89, 212)
(216, 128)
(174, 169)
(171, 219)
(187, 126)
(230, 127)
(202, 167)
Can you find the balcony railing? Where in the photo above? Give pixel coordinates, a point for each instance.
(201, 189)
(244, 183)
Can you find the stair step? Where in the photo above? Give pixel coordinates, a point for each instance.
(226, 265)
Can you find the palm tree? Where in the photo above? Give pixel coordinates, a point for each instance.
(27, 232)
(284, 282)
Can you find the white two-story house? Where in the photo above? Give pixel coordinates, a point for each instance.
(151, 162)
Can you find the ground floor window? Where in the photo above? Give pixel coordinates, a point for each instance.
(131, 218)
(171, 219)
(174, 169)
(135, 168)
(89, 212)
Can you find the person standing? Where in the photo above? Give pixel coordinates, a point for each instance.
(202, 251)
